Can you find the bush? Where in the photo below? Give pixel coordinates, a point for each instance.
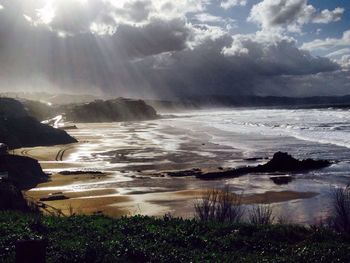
(261, 215)
(340, 218)
(149, 239)
(220, 205)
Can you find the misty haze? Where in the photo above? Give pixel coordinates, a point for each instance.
(174, 131)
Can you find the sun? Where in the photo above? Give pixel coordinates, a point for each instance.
(47, 13)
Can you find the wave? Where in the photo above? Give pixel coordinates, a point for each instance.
(325, 126)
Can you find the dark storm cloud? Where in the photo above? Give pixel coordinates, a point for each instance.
(150, 56)
(154, 38)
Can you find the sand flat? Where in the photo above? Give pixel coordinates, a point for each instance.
(129, 154)
(268, 197)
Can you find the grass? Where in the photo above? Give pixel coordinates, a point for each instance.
(148, 239)
(340, 219)
(219, 205)
(261, 215)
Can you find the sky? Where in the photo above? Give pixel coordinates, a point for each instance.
(168, 49)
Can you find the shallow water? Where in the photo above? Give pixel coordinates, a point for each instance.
(226, 138)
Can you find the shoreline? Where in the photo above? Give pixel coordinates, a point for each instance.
(124, 190)
(111, 202)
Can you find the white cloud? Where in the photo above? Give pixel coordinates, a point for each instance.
(206, 17)
(326, 16)
(280, 56)
(345, 62)
(202, 33)
(328, 43)
(227, 4)
(342, 57)
(290, 14)
(339, 53)
(79, 16)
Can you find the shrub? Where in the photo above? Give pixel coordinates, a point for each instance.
(340, 217)
(261, 215)
(220, 205)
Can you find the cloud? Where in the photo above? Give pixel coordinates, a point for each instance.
(154, 38)
(290, 14)
(227, 4)
(152, 48)
(206, 17)
(338, 53)
(328, 43)
(77, 16)
(326, 16)
(342, 57)
(281, 57)
(321, 84)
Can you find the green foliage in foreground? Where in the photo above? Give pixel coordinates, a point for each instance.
(147, 239)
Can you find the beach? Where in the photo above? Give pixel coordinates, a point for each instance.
(134, 158)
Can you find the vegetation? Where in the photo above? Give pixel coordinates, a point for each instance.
(340, 219)
(216, 234)
(220, 206)
(148, 239)
(261, 215)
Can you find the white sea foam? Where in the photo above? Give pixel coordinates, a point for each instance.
(329, 126)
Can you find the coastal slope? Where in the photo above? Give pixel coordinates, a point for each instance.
(18, 129)
(115, 110)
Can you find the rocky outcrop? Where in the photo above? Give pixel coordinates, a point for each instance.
(23, 172)
(28, 132)
(39, 110)
(18, 129)
(110, 111)
(11, 108)
(11, 197)
(281, 162)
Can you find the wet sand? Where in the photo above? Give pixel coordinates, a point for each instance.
(113, 203)
(131, 162)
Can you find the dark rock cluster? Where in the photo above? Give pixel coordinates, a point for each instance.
(24, 172)
(281, 162)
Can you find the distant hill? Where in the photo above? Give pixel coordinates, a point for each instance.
(50, 98)
(120, 109)
(19, 129)
(201, 102)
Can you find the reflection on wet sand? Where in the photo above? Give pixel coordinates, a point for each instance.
(131, 157)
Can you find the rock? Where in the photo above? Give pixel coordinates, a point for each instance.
(110, 111)
(11, 197)
(3, 149)
(53, 197)
(24, 172)
(281, 179)
(281, 162)
(18, 129)
(80, 172)
(11, 108)
(192, 172)
(28, 132)
(284, 162)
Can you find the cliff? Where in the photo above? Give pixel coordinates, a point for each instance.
(24, 172)
(110, 111)
(18, 129)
